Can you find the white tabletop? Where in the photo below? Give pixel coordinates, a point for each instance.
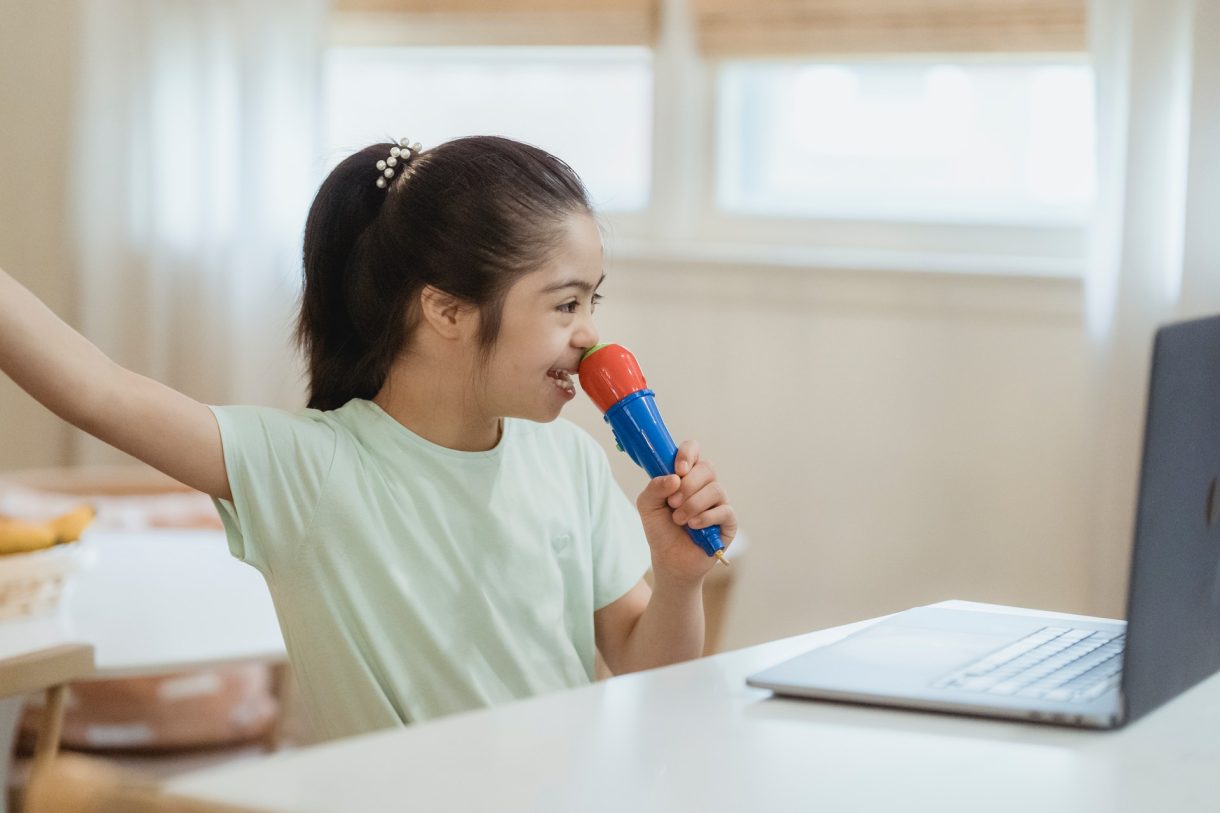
(694, 737)
(159, 601)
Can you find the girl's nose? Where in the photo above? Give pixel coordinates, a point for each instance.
(586, 334)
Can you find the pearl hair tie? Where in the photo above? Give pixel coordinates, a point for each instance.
(404, 150)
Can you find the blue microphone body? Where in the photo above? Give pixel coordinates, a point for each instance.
(641, 433)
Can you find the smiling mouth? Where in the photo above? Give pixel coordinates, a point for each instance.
(563, 380)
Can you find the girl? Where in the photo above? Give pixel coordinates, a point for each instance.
(433, 538)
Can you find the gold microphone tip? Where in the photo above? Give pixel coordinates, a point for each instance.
(720, 556)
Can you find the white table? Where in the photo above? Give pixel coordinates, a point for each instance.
(173, 600)
(694, 737)
(161, 601)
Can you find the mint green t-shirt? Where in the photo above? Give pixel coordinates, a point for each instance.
(411, 580)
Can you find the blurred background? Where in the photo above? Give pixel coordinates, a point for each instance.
(895, 265)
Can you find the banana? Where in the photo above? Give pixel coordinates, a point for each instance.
(68, 527)
(18, 536)
(21, 536)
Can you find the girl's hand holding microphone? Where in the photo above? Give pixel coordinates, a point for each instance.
(691, 497)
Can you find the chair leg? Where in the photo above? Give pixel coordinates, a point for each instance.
(47, 745)
(274, 738)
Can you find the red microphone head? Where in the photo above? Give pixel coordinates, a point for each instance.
(609, 373)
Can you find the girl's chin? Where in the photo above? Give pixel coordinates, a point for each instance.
(555, 409)
(539, 414)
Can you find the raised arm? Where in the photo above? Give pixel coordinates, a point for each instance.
(71, 377)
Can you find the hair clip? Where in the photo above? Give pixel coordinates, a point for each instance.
(404, 150)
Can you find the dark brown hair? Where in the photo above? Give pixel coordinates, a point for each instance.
(468, 217)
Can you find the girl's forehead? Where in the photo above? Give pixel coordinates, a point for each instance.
(577, 262)
(582, 242)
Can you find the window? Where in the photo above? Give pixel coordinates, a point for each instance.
(986, 160)
(978, 142)
(591, 106)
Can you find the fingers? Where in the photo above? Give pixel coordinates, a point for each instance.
(654, 495)
(722, 515)
(702, 501)
(697, 479)
(693, 495)
(686, 458)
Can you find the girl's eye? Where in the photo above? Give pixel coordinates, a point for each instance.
(571, 307)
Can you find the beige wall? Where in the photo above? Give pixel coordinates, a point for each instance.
(36, 75)
(887, 439)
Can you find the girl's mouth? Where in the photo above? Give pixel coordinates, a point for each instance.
(563, 381)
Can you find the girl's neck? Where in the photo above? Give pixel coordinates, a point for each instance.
(436, 401)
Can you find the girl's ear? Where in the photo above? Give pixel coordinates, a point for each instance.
(451, 317)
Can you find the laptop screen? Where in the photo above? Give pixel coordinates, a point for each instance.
(1173, 603)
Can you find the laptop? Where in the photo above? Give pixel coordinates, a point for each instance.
(1091, 674)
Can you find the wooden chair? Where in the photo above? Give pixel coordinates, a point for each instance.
(27, 668)
(76, 784)
(48, 669)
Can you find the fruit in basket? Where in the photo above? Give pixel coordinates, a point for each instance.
(23, 536)
(68, 527)
(19, 536)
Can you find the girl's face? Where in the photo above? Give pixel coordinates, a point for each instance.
(546, 327)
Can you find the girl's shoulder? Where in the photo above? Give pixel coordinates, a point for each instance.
(276, 421)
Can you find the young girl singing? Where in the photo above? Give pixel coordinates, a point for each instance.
(433, 538)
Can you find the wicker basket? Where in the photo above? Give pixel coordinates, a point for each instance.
(33, 583)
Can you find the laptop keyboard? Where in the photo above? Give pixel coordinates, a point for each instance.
(1054, 663)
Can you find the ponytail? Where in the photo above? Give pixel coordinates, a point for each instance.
(342, 362)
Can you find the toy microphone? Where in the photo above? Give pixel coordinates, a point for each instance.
(611, 376)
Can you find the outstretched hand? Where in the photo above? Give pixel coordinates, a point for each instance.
(691, 497)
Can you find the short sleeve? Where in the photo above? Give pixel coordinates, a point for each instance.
(620, 551)
(278, 463)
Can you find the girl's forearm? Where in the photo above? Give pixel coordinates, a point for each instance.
(670, 629)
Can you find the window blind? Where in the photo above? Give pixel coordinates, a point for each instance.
(735, 28)
(510, 22)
